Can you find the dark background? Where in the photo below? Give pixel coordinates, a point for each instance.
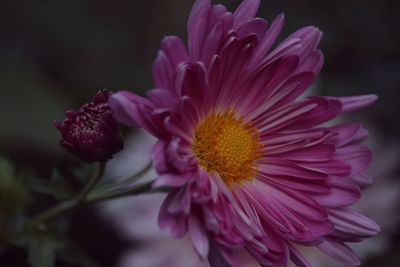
(55, 54)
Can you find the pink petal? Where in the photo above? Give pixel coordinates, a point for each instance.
(358, 157)
(199, 9)
(280, 139)
(134, 110)
(363, 180)
(359, 137)
(312, 63)
(214, 38)
(223, 257)
(345, 132)
(179, 156)
(125, 107)
(175, 125)
(311, 186)
(254, 26)
(353, 103)
(268, 87)
(180, 202)
(353, 223)
(309, 38)
(269, 39)
(325, 111)
(172, 180)
(196, 27)
(293, 214)
(159, 158)
(175, 50)
(232, 91)
(199, 235)
(321, 152)
(335, 167)
(216, 14)
(245, 12)
(283, 118)
(163, 71)
(301, 43)
(299, 115)
(275, 166)
(343, 192)
(163, 98)
(340, 252)
(175, 224)
(194, 84)
(298, 258)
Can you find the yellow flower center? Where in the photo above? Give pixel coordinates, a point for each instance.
(228, 146)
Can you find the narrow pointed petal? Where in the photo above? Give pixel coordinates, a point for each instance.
(175, 50)
(268, 40)
(197, 27)
(353, 103)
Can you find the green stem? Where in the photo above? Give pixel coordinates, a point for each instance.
(123, 181)
(143, 188)
(69, 204)
(53, 211)
(92, 182)
(85, 197)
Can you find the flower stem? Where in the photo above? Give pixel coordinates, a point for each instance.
(69, 204)
(125, 181)
(85, 197)
(54, 211)
(142, 188)
(92, 182)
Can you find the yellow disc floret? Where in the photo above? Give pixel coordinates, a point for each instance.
(228, 146)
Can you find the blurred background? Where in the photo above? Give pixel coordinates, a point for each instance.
(55, 54)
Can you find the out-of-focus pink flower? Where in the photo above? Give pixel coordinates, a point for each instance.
(135, 218)
(250, 163)
(92, 133)
(380, 202)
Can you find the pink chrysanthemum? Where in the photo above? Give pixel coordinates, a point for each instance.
(249, 162)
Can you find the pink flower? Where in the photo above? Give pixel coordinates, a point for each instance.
(251, 164)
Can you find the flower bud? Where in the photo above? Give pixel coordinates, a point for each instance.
(92, 133)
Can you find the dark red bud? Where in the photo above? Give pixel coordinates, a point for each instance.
(92, 133)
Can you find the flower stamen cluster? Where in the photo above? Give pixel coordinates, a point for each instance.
(228, 146)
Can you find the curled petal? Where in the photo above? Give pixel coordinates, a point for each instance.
(174, 224)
